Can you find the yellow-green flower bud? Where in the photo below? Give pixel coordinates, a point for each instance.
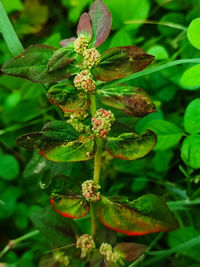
(91, 58)
(90, 191)
(84, 81)
(86, 244)
(80, 44)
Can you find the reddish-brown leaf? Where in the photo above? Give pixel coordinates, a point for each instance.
(84, 26)
(68, 41)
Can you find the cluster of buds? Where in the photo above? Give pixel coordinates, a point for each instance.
(102, 122)
(86, 244)
(91, 58)
(61, 258)
(80, 44)
(107, 251)
(90, 190)
(84, 81)
(75, 119)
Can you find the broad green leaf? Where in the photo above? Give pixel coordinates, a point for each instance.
(131, 251)
(168, 134)
(190, 79)
(58, 141)
(174, 5)
(130, 146)
(15, 5)
(32, 65)
(9, 167)
(159, 52)
(121, 38)
(60, 59)
(190, 152)
(148, 214)
(194, 32)
(119, 62)
(101, 22)
(84, 26)
(132, 100)
(58, 231)
(62, 185)
(192, 117)
(67, 98)
(70, 206)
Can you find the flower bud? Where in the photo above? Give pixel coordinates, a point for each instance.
(91, 58)
(107, 251)
(84, 81)
(90, 191)
(86, 244)
(80, 44)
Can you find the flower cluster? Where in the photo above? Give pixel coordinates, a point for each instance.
(90, 190)
(80, 44)
(76, 118)
(102, 122)
(91, 58)
(107, 251)
(61, 257)
(86, 244)
(84, 81)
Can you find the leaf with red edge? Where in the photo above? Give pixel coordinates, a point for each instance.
(70, 206)
(67, 42)
(132, 100)
(130, 251)
(101, 22)
(32, 65)
(131, 146)
(84, 26)
(137, 219)
(67, 98)
(60, 59)
(59, 141)
(119, 62)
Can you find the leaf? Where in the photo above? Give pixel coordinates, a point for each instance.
(190, 79)
(84, 26)
(130, 146)
(60, 59)
(132, 100)
(58, 141)
(9, 167)
(70, 206)
(159, 52)
(32, 65)
(59, 231)
(192, 117)
(131, 251)
(67, 98)
(148, 214)
(190, 152)
(101, 22)
(168, 134)
(194, 32)
(67, 42)
(119, 62)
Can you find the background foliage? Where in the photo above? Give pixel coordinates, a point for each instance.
(171, 170)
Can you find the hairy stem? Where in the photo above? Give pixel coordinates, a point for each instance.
(12, 41)
(13, 243)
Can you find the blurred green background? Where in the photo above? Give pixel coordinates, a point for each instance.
(171, 170)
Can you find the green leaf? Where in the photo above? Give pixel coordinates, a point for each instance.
(58, 141)
(60, 59)
(32, 65)
(130, 146)
(159, 52)
(119, 62)
(70, 206)
(84, 26)
(132, 100)
(101, 22)
(190, 79)
(131, 251)
(194, 32)
(190, 152)
(9, 167)
(67, 98)
(59, 231)
(168, 134)
(148, 214)
(192, 117)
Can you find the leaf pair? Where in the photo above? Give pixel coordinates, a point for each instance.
(147, 214)
(59, 141)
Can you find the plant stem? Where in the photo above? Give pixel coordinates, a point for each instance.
(13, 43)
(12, 243)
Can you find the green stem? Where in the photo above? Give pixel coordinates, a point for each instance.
(13, 43)
(13, 243)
